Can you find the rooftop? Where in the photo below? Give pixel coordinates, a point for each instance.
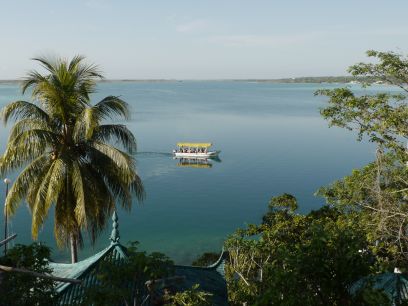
(210, 279)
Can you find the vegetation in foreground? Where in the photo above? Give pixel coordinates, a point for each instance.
(362, 231)
(122, 283)
(25, 289)
(316, 258)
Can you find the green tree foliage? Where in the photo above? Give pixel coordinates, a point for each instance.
(24, 289)
(383, 117)
(378, 191)
(66, 150)
(191, 297)
(290, 257)
(313, 259)
(124, 283)
(285, 201)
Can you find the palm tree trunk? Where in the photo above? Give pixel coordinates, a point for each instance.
(74, 249)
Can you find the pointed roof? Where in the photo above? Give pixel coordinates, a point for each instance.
(210, 279)
(87, 269)
(115, 229)
(80, 269)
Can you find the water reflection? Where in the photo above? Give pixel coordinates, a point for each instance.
(196, 162)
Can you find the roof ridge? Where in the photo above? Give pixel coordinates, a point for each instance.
(223, 257)
(220, 261)
(87, 262)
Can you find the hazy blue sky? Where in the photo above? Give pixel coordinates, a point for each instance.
(201, 39)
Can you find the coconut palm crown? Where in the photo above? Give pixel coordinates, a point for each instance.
(70, 157)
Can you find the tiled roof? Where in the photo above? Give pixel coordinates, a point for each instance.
(394, 285)
(210, 279)
(85, 270)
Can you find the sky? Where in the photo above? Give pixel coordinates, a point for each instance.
(222, 39)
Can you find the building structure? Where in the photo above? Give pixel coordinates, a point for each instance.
(211, 279)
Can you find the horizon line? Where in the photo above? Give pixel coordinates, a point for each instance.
(192, 79)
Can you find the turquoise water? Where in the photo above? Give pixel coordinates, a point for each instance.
(272, 141)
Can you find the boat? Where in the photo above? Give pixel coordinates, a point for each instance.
(195, 150)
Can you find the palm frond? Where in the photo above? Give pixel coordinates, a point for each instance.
(31, 80)
(23, 110)
(116, 133)
(28, 124)
(27, 146)
(112, 107)
(75, 61)
(117, 177)
(47, 194)
(79, 193)
(25, 179)
(85, 124)
(101, 197)
(122, 160)
(47, 63)
(137, 188)
(65, 223)
(17, 155)
(35, 135)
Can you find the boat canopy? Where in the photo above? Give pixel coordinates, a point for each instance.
(194, 144)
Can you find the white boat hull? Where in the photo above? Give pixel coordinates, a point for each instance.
(196, 155)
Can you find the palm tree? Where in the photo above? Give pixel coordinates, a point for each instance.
(71, 157)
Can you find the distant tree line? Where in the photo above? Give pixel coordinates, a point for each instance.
(323, 79)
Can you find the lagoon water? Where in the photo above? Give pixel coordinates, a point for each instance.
(272, 139)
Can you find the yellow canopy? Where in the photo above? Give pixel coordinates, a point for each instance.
(194, 144)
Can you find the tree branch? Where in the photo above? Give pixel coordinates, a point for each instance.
(36, 274)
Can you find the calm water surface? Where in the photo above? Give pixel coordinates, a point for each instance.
(272, 141)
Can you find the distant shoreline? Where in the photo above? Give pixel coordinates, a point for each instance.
(323, 79)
